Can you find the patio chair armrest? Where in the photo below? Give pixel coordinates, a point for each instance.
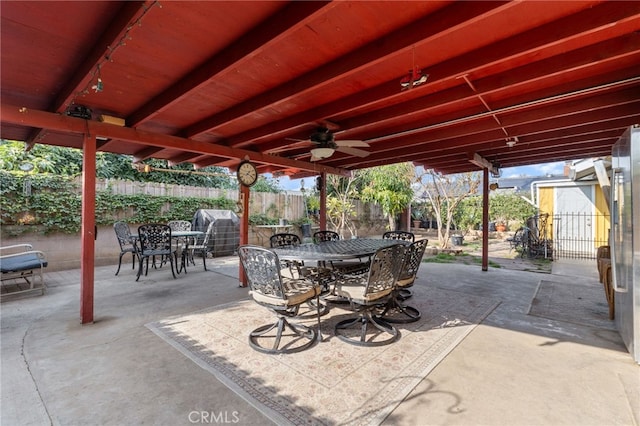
(16, 248)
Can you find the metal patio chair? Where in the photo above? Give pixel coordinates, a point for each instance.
(399, 235)
(365, 292)
(321, 236)
(202, 246)
(127, 244)
(395, 311)
(155, 241)
(282, 295)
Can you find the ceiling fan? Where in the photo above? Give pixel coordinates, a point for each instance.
(327, 145)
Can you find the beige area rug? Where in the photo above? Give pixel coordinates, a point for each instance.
(333, 382)
(583, 304)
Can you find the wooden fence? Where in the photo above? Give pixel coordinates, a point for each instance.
(289, 205)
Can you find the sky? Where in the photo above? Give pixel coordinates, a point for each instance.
(555, 168)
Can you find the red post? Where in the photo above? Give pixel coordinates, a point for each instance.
(244, 228)
(88, 231)
(485, 219)
(323, 201)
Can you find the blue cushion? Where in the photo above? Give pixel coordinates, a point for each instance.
(23, 262)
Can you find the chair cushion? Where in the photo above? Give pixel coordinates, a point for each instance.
(23, 262)
(297, 291)
(407, 282)
(353, 289)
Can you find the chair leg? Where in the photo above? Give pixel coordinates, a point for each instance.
(299, 330)
(120, 262)
(140, 267)
(204, 259)
(173, 272)
(345, 330)
(404, 294)
(397, 313)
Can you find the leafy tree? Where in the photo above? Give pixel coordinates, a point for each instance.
(508, 207)
(265, 184)
(340, 209)
(446, 192)
(44, 158)
(390, 187)
(68, 162)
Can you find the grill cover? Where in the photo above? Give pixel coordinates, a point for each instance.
(225, 236)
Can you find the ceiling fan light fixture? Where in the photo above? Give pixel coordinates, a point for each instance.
(322, 152)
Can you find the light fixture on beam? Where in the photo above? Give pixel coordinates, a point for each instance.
(512, 141)
(116, 121)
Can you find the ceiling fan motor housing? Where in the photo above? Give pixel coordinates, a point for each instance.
(322, 136)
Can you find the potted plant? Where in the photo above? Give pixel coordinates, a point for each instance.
(501, 225)
(305, 225)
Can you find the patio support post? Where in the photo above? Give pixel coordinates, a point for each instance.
(323, 201)
(485, 219)
(88, 229)
(244, 228)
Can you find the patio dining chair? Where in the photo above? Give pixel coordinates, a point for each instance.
(127, 244)
(285, 239)
(321, 236)
(395, 311)
(282, 295)
(365, 292)
(155, 241)
(182, 243)
(202, 245)
(179, 225)
(399, 235)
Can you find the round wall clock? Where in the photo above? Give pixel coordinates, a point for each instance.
(247, 173)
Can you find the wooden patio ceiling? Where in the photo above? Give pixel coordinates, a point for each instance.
(211, 83)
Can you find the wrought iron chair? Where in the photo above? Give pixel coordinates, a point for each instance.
(179, 225)
(286, 240)
(399, 235)
(365, 292)
(202, 246)
(155, 240)
(127, 244)
(321, 236)
(283, 295)
(183, 243)
(395, 311)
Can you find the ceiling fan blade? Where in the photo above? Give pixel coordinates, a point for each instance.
(352, 143)
(353, 151)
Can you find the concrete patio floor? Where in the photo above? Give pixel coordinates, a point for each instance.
(513, 369)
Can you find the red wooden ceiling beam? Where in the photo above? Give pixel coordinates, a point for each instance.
(457, 138)
(41, 119)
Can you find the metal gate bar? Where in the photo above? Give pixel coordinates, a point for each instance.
(578, 235)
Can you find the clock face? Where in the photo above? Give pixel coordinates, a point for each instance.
(247, 173)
